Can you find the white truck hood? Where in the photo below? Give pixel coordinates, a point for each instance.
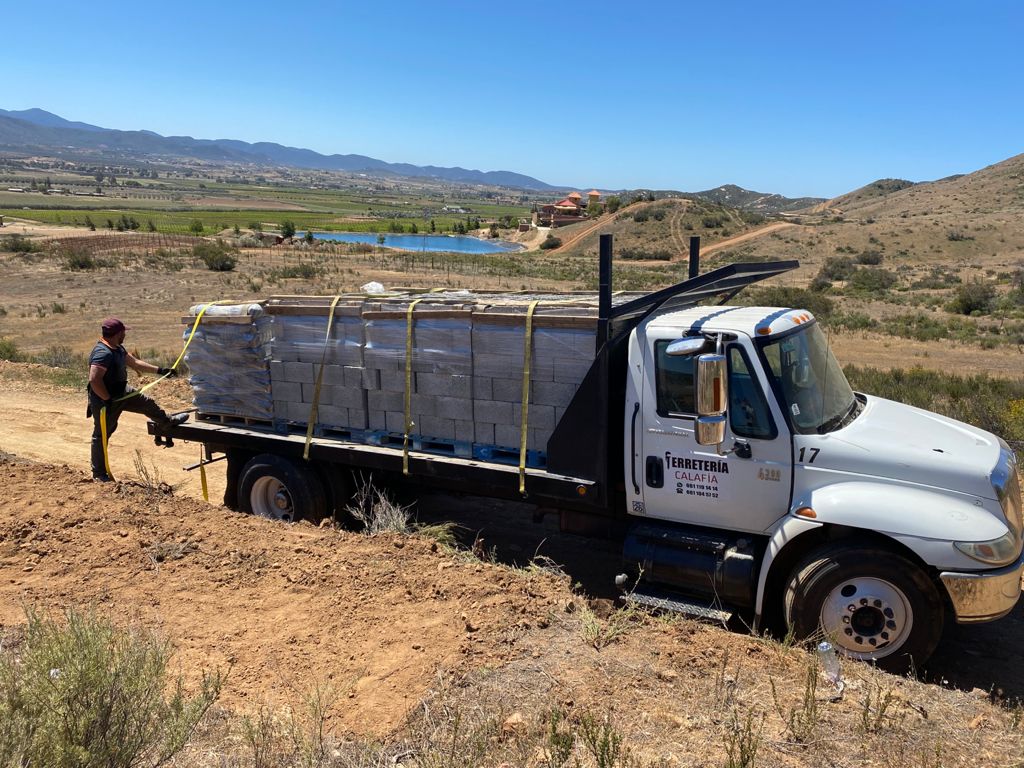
(907, 444)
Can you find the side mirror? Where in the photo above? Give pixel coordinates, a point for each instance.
(686, 346)
(712, 397)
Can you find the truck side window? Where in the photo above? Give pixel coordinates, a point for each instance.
(748, 410)
(675, 384)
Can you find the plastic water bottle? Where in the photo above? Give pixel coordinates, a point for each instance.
(829, 663)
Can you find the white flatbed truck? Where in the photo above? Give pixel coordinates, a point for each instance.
(725, 448)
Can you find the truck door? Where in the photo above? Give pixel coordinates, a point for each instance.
(746, 490)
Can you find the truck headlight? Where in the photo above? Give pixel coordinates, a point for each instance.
(995, 552)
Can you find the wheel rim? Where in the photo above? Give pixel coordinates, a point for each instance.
(270, 498)
(867, 618)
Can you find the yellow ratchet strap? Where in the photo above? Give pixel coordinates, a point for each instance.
(202, 476)
(103, 431)
(319, 381)
(408, 384)
(527, 354)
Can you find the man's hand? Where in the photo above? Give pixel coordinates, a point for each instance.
(169, 372)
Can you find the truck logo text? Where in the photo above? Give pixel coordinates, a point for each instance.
(697, 465)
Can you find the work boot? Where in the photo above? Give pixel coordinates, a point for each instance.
(101, 479)
(177, 419)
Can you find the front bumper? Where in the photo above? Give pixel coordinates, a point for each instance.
(985, 596)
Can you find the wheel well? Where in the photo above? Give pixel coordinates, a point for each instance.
(801, 546)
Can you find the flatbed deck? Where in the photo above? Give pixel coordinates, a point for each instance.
(445, 472)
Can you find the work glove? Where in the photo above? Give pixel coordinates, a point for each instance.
(169, 372)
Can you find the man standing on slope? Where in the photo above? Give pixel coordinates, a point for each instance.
(108, 387)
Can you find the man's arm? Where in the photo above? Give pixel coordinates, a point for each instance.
(99, 389)
(141, 366)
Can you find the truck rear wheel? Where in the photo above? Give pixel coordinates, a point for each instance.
(280, 489)
(871, 604)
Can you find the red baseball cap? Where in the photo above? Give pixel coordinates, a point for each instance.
(112, 326)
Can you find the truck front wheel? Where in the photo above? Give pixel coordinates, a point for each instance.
(275, 487)
(871, 604)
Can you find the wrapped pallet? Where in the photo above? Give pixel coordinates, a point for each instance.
(440, 372)
(227, 360)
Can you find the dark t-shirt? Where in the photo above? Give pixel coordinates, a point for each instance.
(116, 362)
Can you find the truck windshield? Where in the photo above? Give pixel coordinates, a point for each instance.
(808, 379)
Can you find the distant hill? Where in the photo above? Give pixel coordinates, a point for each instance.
(869, 192)
(36, 129)
(760, 202)
(994, 188)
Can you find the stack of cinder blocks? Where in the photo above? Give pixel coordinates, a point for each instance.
(297, 351)
(465, 374)
(227, 361)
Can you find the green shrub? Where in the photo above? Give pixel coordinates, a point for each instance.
(640, 216)
(837, 268)
(852, 321)
(871, 258)
(872, 280)
(550, 242)
(78, 260)
(215, 256)
(712, 222)
(920, 327)
(796, 298)
(972, 298)
(300, 271)
(639, 254)
(83, 693)
(956, 235)
(9, 350)
(16, 243)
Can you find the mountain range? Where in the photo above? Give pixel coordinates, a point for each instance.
(38, 131)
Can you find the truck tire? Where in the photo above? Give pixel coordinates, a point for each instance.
(280, 489)
(871, 604)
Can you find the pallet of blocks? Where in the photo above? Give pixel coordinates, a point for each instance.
(227, 359)
(446, 369)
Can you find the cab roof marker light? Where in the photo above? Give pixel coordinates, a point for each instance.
(806, 512)
(764, 330)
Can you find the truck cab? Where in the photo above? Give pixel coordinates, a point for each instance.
(757, 478)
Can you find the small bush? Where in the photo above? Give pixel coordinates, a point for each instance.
(870, 258)
(956, 235)
(215, 256)
(796, 298)
(837, 268)
(973, 298)
(77, 260)
(712, 222)
(639, 254)
(299, 271)
(9, 350)
(18, 244)
(84, 693)
(60, 356)
(872, 280)
(920, 327)
(551, 242)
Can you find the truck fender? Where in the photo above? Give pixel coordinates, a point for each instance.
(923, 520)
(786, 530)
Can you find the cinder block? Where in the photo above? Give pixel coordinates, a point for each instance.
(506, 436)
(332, 415)
(537, 416)
(444, 385)
(281, 409)
(392, 381)
(348, 397)
(493, 412)
(482, 388)
(277, 370)
(356, 418)
(508, 390)
(298, 412)
(432, 426)
(376, 420)
(333, 375)
(299, 372)
(498, 365)
(288, 391)
(483, 433)
(552, 393)
(385, 401)
(395, 422)
(464, 430)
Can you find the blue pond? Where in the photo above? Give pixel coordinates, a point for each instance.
(451, 243)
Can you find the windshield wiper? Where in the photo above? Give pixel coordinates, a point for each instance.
(840, 421)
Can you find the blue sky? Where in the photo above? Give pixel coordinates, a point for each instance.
(800, 98)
